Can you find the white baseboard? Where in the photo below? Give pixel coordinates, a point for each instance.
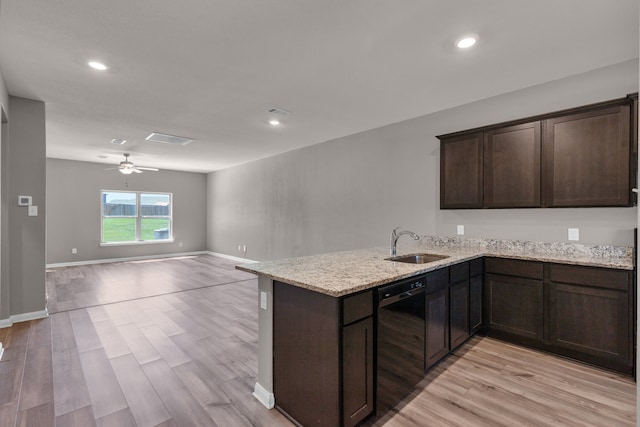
(1, 351)
(24, 317)
(133, 258)
(263, 396)
(233, 258)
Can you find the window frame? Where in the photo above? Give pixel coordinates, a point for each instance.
(139, 217)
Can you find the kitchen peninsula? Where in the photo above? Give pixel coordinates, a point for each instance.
(318, 314)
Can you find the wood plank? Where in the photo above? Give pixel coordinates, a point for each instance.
(146, 407)
(80, 417)
(104, 389)
(84, 331)
(62, 334)
(121, 418)
(37, 416)
(170, 353)
(11, 371)
(139, 345)
(69, 385)
(112, 342)
(184, 408)
(37, 380)
(40, 332)
(9, 413)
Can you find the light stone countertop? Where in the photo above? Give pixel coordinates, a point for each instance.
(342, 273)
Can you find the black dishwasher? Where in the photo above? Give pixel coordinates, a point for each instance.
(401, 341)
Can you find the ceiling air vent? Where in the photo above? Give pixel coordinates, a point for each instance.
(118, 141)
(168, 139)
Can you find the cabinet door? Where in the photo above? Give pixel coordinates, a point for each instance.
(461, 172)
(357, 371)
(437, 327)
(592, 315)
(459, 313)
(475, 304)
(515, 306)
(306, 366)
(512, 167)
(591, 321)
(587, 158)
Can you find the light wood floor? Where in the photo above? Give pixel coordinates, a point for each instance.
(187, 357)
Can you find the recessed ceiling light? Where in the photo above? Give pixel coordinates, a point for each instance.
(97, 65)
(274, 122)
(467, 41)
(278, 111)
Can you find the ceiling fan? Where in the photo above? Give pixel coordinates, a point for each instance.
(127, 168)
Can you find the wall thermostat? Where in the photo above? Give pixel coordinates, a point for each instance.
(24, 200)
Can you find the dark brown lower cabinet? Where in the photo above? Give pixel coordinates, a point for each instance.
(459, 313)
(515, 306)
(437, 326)
(475, 304)
(357, 371)
(591, 314)
(586, 313)
(514, 299)
(323, 373)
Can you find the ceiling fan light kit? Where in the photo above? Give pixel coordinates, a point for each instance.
(127, 168)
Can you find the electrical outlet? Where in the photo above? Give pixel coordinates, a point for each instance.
(239, 248)
(574, 234)
(460, 230)
(74, 250)
(244, 248)
(263, 300)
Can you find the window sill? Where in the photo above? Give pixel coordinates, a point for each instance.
(138, 242)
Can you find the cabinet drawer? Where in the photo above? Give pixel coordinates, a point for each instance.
(590, 276)
(436, 280)
(476, 267)
(356, 307)
(519, 268)
(459, 272)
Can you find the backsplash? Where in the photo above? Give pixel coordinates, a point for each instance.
(527, 247)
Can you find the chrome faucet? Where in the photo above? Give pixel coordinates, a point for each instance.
(393, 240)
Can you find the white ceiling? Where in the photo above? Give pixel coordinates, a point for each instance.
(209, 70)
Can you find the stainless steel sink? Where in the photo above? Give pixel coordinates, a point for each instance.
(417, 258)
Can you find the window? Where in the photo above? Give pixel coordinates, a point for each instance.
(136, 217)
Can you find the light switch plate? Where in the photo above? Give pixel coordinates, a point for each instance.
(574, 234)
(33, 211)
(460, 230)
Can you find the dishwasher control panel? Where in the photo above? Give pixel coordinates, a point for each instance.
(406, 288)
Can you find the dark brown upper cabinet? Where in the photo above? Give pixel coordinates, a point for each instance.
(587, 158)
(461, 172)
(512, 166)
(582, 157)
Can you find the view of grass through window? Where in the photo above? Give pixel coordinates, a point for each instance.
(133, 216)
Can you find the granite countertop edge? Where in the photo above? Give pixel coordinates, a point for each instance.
(342, 273)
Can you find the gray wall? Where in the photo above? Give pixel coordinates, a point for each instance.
(23, 172)
(4, 242)
(350, 192)
(73, 210)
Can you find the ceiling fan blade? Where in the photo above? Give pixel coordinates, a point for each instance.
(136, 170)
(147, 169)
(112, 169)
